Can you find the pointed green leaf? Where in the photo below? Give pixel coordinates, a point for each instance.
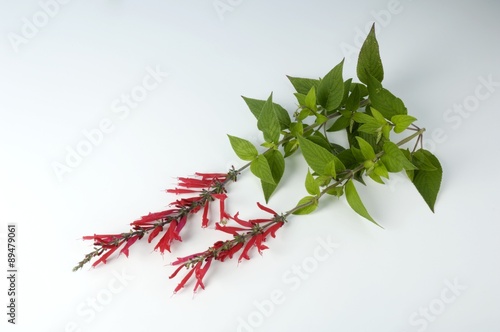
(429, 182)
(296, 128)
(303, 85)
(369, 62)
(310, 101)
(317, 157)
(378, 116)
(402, 122)
(260, 168)
(381, 170)
(352, 102)
(330, 169)
(312, 186)
(355, 202)
(394, 159)
(341, 123)
(256, 105)
(268, 122)
(290, 147)
(331, 88)
(277, 165)
(422, 161)
(310, 201)
(383, 100)
(243, 148)
(366, 149)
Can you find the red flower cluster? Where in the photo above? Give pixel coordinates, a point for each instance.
(111, 242)
(208, 186)
(250, 233)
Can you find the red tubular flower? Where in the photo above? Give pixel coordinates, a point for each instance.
(130, 242)
(247, 248)
(200, 273)
(230, 229)
(168, 237)
(188, 203)
(182, 260)
(230, 252)
(204, 218)
(264, 208)
(103, 240)
(272, 229)
(259, 238)
(105, 256)
(221, 177)
(206, 181)
(151, 218)
(242, 222)
(184, 280)
(154, 233)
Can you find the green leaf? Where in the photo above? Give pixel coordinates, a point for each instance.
(394, 159)
(381, 170)
(310, 101)
(261, 169)
(402, 122)
(429, 182)
(268, 122)
(378, 116)
(303, 85)
(369, 62)
(317, 157)
(384, 101)
(331, 88)
(290, 147)
(296, 128)
(376, 178)
(313, 205)
(256, 105)
(312, 186)
(341, 123)
(366, 149)
(320, 139)
(352, 102)
(330, 169)
(335, 191)
(277, 165)
(355, 202)
(370, 124)
(243, 148)
(301, 99)
(421, 160)
(363, 91)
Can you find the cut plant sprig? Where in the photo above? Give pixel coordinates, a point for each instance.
(365, 112)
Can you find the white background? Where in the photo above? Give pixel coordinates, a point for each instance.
(63, 78)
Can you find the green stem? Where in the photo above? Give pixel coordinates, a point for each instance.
(285, 139)
(350, 175)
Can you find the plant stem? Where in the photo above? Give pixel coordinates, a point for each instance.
(350, 175)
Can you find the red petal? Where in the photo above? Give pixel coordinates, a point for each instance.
(204, 219)
(105, 256)
(130, 242)
(175, 272)
(183, 281)
(241, 221)
(272, 229)
(229, 229)
(201, 273)
(248, 246)
(154, 233)
(264, 208)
